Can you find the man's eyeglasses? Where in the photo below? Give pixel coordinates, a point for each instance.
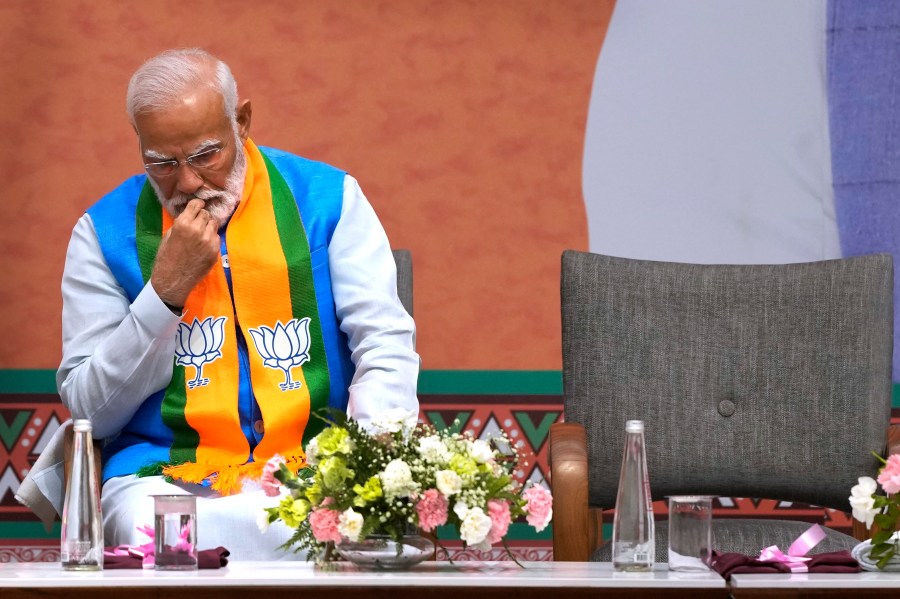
(204, 160)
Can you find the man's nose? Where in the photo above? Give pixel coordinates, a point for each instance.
(187, 180)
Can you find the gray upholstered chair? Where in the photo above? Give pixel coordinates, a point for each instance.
(768, 381)
(403, 259)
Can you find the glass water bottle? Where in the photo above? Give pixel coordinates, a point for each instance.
(633, 543)
(81, 541)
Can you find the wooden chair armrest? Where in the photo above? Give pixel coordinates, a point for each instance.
(893, 440)
(893, 447)
(576, 527)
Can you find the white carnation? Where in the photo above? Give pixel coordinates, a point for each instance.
(481, 451)
(396, 480)
(395, 420)
(312, 452)
(862, 500)
(433, 450)
(475, 526)
(350, 524)
(262, 521)
(448, 482)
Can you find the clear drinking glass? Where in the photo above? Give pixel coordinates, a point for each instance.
(175, 532)
(690, 532)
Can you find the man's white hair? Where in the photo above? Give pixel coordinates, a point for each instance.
(163, 79)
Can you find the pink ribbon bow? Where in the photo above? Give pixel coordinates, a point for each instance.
(795, 559)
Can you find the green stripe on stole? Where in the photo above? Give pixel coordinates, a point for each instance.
(292, 236)
(148, 234)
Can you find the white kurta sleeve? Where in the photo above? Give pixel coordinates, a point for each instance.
(381, 333)
(115, 353)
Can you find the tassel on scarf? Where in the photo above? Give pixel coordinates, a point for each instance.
(226, 479)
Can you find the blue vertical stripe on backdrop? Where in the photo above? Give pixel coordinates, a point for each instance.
(864, 113)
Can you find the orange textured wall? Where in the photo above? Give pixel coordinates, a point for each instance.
(463, 121)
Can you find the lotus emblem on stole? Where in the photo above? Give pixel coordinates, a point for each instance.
(199, 344)
(283, 347)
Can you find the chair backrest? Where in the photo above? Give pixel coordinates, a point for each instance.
(403, 258)
(768, 381)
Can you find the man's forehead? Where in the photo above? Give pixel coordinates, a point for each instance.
(188, 119)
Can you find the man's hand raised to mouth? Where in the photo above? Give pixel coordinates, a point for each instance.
(186, 253)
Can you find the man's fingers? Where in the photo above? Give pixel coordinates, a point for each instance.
(193, 207)
(195, 214)
(196, 203)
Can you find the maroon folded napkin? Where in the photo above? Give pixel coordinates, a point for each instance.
(727, 564)
(207, 559)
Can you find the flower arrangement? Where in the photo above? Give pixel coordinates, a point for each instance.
(883, 510)
(398, 476)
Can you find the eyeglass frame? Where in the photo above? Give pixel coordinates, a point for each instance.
(188, 161)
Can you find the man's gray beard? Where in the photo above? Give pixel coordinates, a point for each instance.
(228, 198)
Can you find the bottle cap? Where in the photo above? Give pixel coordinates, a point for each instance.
(81, 425)
(634, 426)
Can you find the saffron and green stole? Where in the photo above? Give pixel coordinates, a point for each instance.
(272, 282)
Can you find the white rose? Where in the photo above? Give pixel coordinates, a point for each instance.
(862, 502)
(432, 450)
(448, 482)
(395, 420)
(396, 480)
(350, 524)
(475, 526)
(481, 451)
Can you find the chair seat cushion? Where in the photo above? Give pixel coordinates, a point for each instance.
(746, 536)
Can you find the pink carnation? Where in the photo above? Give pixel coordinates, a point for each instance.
(324, 524)
(267, 480)
(500, 518)
(432, 510)
(889, 479)
(539, 507)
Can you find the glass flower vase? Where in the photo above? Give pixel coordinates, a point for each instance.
(381, 552)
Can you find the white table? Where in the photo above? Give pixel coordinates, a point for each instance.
(431, 579)
(863, 584)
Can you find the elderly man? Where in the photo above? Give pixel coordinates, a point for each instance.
(211, 305)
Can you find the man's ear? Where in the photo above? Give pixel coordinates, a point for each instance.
(242, 114)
